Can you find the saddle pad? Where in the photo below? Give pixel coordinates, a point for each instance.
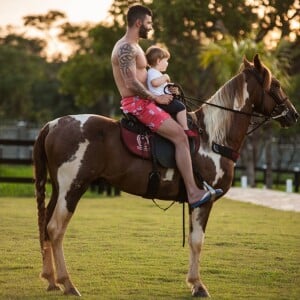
(139, 141)
(140, 145)
(136, 143)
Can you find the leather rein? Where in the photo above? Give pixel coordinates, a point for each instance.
(272, 116)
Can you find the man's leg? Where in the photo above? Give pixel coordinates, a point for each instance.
(171, 130)
(152, 116)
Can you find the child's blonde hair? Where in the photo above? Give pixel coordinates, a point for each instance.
(153, 53)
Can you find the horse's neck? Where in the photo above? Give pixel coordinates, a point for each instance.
(225, 127)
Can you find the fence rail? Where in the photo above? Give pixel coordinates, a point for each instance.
(261, 176)
(292, 174)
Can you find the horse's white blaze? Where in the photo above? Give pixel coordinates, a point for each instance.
(216, 158)
(81, 118)
(169, 175)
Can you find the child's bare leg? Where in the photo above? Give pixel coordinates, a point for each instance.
(182, 120)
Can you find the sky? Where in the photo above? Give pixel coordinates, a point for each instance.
(76, 11)
(12, 11)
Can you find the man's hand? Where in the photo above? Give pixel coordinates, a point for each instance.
(164, 99)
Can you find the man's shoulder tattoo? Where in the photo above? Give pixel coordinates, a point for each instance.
(126, 55)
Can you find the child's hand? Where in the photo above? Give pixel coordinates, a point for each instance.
(173, 90)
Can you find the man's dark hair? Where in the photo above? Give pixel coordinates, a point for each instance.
(137, 12)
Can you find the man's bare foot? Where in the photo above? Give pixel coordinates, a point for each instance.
(196, 198)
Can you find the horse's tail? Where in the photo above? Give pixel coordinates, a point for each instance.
(40, 175)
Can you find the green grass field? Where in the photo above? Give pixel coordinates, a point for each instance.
(126, 248)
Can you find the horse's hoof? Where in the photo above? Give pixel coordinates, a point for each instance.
(52, 287)
(72, 291)
(200, 293)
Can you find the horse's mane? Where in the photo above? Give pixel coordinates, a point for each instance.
(218, 121)
(231, 95)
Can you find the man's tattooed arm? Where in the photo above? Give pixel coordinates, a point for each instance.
(127, 62)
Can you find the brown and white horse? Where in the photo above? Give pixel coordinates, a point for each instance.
(76, 150)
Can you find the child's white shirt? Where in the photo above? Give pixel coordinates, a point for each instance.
(153, 74)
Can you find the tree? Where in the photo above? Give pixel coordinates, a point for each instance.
(19, 70)
(88, 75)
(277, 16)
(45, 23)
(29, 89)
(19, 41)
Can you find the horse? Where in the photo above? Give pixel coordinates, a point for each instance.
(75, 150)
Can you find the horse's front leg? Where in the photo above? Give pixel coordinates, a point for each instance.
(198, 221)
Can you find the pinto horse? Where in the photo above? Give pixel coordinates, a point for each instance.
(76, 150)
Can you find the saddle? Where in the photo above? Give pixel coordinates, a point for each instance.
(141, 141)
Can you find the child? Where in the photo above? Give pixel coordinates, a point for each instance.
(157, 59)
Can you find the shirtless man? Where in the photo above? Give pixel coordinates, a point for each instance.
(129, 69)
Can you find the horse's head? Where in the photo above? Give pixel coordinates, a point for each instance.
(269, 98)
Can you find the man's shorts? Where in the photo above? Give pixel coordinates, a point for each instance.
(146, 111)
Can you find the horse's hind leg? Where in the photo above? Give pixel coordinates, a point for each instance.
(56, 229)
(48, 271)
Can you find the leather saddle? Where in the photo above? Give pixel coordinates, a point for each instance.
(141, 141)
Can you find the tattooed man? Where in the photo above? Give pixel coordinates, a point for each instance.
(129, 68)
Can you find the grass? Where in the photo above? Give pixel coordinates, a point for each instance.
(126, 248)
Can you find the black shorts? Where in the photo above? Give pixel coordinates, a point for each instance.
(173, 108)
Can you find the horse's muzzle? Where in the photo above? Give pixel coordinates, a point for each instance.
(289, 119)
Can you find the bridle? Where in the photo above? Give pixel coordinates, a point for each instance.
(277, 112)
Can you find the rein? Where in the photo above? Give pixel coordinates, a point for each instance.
(279, 102)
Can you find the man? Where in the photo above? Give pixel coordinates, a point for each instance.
(130, 74)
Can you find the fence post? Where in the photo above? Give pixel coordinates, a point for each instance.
(265, 175)
(289, 186)
(297, 178)
(244, 181)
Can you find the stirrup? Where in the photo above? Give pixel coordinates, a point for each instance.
(215, 193)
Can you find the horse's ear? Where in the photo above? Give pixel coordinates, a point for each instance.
(257, 63)
(246, 62)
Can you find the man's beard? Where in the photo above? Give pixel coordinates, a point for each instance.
(143, 32)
